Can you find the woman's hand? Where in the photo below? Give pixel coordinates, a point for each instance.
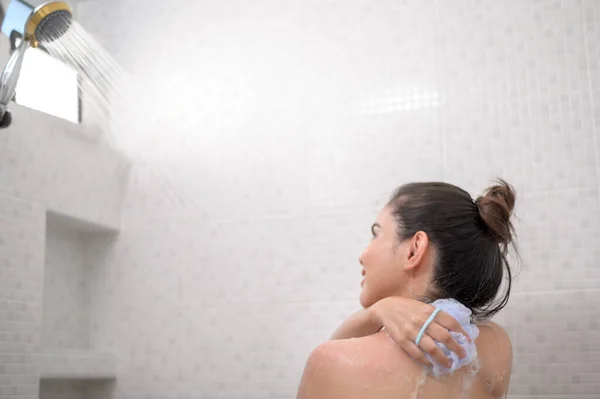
(403, 319)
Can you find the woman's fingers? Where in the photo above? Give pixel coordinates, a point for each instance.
(406, 343)
(428, 346)
(450, 323)
(440, 334)
(416, 353)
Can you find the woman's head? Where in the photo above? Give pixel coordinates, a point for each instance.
(433, 241)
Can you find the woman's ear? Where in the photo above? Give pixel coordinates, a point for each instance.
(417, 248)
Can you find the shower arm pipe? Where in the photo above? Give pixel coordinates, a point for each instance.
(9, 79)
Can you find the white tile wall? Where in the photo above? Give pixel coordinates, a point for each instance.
(591, 15)
(267, 134)
(21, 276)
(561, 355)
(556, 228)
(46, 165)
(56, 163)
(280, 128)
(65, 321)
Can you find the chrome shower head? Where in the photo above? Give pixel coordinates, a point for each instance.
(48, 22)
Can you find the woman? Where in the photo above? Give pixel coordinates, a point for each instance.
(431, 241)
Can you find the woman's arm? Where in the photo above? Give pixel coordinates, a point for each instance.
(403, 318)
(360, 324)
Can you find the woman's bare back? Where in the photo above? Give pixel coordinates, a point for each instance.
(374, 367)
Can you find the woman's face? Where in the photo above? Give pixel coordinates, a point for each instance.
(383, 261)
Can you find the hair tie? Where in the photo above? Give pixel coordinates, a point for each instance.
(427, 323)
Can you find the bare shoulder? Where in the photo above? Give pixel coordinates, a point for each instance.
(353, 369)
(495, 352)
(493, 339)
(375, 367)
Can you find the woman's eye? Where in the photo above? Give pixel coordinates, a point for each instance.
(373, 232)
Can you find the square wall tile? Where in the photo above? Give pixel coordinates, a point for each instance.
(53, 162)
(536, 144)
(21, 283)
(555, 343)
(556, 238)
(256, 351)
(517, 49)
(361, 162)
(65, 318)
(277, 259)
(591, 17)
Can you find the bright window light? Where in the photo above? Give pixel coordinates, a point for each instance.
(48, 85)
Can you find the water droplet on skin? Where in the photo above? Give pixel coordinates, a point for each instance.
(420, 383)
(469, 378)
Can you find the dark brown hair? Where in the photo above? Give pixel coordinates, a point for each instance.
(472, 238)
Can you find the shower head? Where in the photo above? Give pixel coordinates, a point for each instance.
(48, 22)
(44, 24)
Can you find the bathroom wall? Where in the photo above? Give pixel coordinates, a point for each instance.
(65, 321)
(56, 183)
(267, 134)
(59, 191)
(21, 257)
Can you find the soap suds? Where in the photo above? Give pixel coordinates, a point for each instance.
(420, 384)
(469, 378)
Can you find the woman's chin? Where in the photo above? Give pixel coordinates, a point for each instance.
(365, 299)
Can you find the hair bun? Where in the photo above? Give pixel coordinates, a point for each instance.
(495, 208)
